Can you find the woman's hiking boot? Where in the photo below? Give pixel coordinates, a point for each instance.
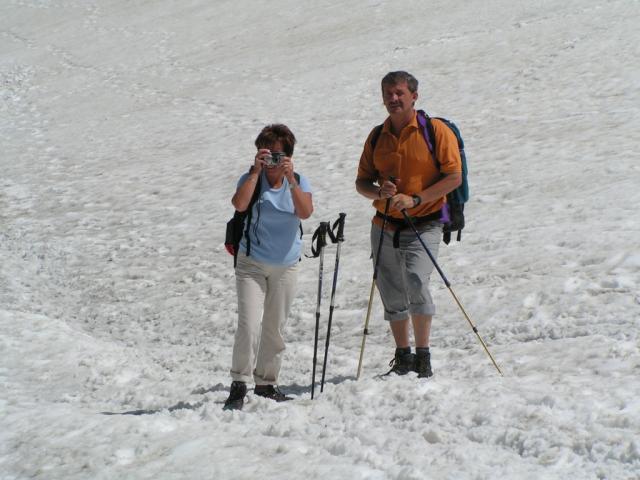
(402, 362)
(423, 363)
(271, 392)
(237, 393)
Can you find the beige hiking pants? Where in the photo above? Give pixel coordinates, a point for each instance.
(265, 293)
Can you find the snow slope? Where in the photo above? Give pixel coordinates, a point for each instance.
(123, 129)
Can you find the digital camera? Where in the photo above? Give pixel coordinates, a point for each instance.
(275, 158)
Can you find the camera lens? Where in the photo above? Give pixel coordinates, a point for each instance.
(276, 157)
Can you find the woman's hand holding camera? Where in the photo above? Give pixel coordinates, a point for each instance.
(275, 161)
(261, 160)
(287, 168)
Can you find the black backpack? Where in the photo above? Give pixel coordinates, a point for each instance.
(458, 197)
(237, 227)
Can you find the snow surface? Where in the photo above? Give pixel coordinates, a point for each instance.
(123, 129)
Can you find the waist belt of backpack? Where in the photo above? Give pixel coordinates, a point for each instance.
(401, 224)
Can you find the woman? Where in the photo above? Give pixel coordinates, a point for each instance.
(267, 263)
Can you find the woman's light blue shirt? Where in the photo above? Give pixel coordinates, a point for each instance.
(275, 229)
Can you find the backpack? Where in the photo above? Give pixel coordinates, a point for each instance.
(452, 215)
(237, 227)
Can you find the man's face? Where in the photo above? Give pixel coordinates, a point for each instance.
(398, 98)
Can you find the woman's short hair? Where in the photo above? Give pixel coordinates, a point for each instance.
(277, 132)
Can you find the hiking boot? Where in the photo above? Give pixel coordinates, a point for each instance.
(403, 362)
(423, 363)
(236, 396)
(271, 392)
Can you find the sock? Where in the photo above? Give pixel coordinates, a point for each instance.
(422, 351)
(403, 350)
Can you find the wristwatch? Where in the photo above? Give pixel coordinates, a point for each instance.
(416, 200)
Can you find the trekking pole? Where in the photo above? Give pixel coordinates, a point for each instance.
(320, 236)
(365, 332)
(337, 238)
(448, 285)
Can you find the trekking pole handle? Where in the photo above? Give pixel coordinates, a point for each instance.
(322, 234)
(320, 239)
(339, 236)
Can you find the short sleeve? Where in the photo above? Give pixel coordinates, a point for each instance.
(305, 185)
(366, 169)
(448, 152)
(243, 178)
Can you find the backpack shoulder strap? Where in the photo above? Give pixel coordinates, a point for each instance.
(428, 132)
(297, 177)
(254, 199)
(375, 135)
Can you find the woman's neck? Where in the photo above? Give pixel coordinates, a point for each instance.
(275, 179)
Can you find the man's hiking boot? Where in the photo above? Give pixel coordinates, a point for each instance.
(271, 392)
(236, 396)
(423, 363)
(403, 362)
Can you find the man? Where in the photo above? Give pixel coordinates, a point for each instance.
(400, 173)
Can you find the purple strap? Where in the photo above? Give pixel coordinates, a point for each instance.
(444, 214)
(422, 121)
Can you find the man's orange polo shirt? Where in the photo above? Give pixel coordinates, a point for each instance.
(408, 159)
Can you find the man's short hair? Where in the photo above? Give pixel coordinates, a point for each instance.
(394, 78)
(276, 132)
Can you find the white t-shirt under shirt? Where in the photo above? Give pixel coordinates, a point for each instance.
(274, 231)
